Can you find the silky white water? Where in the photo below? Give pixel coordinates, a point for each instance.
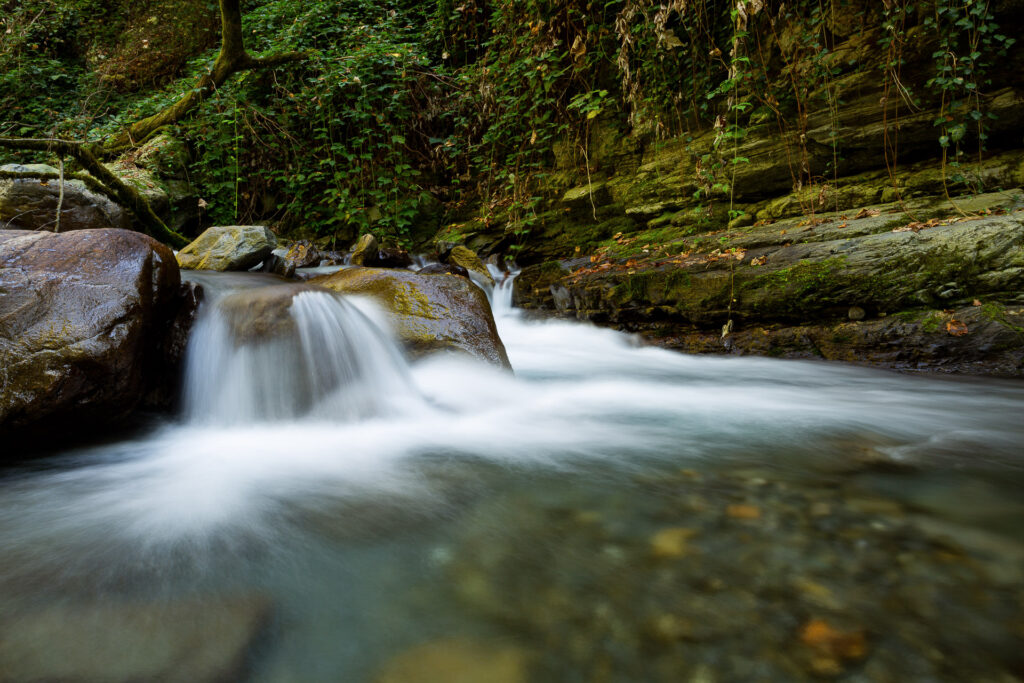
(329, 427)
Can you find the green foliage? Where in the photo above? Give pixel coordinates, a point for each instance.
(404, 103)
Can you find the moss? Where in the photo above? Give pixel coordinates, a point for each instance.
(932, 322)
(996, 312)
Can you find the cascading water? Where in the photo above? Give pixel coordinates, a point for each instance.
(609, 503)
(283, 353)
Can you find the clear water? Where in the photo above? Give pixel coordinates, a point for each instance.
(379, 506)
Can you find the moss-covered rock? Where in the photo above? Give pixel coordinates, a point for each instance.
(228, 247)
(430, 313)
(467, 259)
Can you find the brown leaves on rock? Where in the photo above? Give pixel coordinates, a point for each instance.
(956, 328)
(866, 212)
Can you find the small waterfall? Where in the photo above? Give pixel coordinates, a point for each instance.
(501, 294)
(285, 352)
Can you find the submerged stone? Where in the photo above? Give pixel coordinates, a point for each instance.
(190, 642)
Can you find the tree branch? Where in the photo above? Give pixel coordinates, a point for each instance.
(231, 59)
(122, 193)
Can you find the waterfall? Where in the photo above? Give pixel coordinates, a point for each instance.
(286, 352)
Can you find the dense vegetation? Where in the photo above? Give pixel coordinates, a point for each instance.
(402, 108)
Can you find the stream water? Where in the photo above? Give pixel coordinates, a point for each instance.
(609, 512)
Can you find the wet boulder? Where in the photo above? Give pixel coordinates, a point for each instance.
(393, 257)
(92, 325)
(467, 258)
(228, 247)
(365, 251)
(31, 203)
(302, 254)
(262, 313)
(430, 313)
(437, 268)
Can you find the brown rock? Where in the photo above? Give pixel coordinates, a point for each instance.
(90, 325)
(429, 312)
(303, 255)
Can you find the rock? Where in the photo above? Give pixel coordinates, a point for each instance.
(429, 312)
(440, 268)
(855, 313)
(164, 155)
(278, 266)
(206, 640)
(30, 204)
(467, 258)
(91, 323)
(364, 253)
(228, 247)
(302, 254)
(262, 312)
(458, 660)
(795, 298)
(393, 257)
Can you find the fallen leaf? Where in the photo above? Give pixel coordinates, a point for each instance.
(759, 261)
(865, 212)
(956, 328)
(976, 303)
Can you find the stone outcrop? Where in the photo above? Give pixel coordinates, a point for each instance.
(430, 313)
(31, 204)
(92, 327)
(228, 247)
(942, 291)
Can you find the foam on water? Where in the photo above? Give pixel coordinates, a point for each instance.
(335, 411)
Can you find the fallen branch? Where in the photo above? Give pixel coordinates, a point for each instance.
(119, 191)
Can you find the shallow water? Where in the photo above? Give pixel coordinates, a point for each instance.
(608, 512)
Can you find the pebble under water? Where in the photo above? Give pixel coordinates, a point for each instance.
(326, 511)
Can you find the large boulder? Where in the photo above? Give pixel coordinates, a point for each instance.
(429, 312)
(228, 247)
(31, 204)
(92, 326)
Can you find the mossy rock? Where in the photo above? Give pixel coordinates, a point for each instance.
(429, 313)
(228, 247)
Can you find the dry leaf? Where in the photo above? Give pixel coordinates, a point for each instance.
(976, 302)
(759, 261)
(956, 328)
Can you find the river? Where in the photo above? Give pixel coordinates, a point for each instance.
(325, 510)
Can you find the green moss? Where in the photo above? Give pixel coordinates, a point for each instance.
(931, 322)
(996, 312)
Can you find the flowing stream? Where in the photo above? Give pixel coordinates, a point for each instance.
(609, 512)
